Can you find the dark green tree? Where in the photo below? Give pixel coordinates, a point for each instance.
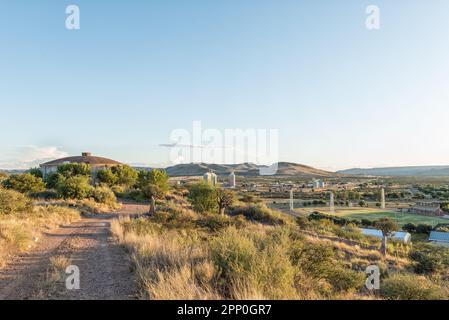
(36, 172)
(76, 187)
(24, 183)
(74, 169)
(203, 197)
(106, 176)
(126, 175)
(154, 185)
(53, 179)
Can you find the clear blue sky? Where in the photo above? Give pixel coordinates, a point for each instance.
(341, 95)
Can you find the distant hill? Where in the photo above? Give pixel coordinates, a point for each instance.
(246, 169)
(14, 171)
(420, 171)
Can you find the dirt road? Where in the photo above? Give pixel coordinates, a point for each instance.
(104, 269)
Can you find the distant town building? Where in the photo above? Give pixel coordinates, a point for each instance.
(382, 198)
(232, 180)
(291, 200)
(318, 184)
(210, 178)
(427, 209)
(331, 203)
(439, 238)
(95, 163)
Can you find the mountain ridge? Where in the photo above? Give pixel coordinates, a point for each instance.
(422, 171)
(246, 169)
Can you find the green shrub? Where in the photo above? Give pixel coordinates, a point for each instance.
(344, 279)
(76, 187)
(153, 183)
(104, 195)
(322, 216)
(409, 227)
(53, 179)
(126, 175)
(135, 195)
(424, 228)
(260, 213)
(36, 172)
(429, 258)
(24, 183)
(411, 287)
(313, 259)
(12, 201)
(367, 223)
(46, 195)
(203, 197)
(240, 262)
(107, 177)
(214, 222)
(74, 169)
(350, 232)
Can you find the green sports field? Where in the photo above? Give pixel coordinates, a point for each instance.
(374, 214)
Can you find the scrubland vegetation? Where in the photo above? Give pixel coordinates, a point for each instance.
(21, 222)
(31, 205)
(189, 249)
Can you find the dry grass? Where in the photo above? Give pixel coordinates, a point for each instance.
(168, 266)
(242, 264)
(88, 206)
(179, 254)
(20, 231)
(53, 280)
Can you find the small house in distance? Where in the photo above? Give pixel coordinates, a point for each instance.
(439, 238)
(95, 163)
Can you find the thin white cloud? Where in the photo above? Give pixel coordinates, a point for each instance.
(25, 157)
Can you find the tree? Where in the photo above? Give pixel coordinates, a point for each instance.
(423, 228)
(53, 179)
(387, 226)
(107, 177)
(362, 203)
(126, 175)
(74, 169)
(154, 185)
(36, 172)
(24, 183)
(203, 197)
(409, 227)
(76, 187)
(225, 198)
